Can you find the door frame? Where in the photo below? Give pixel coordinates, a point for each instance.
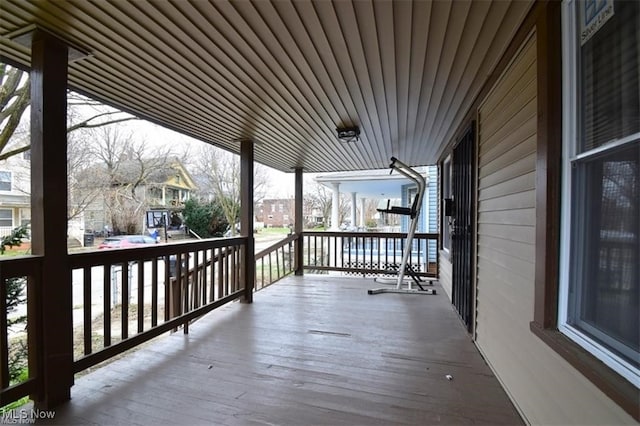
(464, 303)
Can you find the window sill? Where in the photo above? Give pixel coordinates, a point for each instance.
(611, 383)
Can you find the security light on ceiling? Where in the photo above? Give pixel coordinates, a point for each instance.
(348, 134)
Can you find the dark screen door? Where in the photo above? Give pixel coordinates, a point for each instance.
(463, 226)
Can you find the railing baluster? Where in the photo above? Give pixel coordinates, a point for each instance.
(220, 269)
(315, 251)
(203, 278)
(197, 292)
(212, 275)
(239, 257)
(227, 261)
(234, 282)
(140, 296)
(167, 288)
(335, 250)
(154, 292)
(86, 304)
(124, 312)
(375, 241)
(106, 304)
(386, 253)
(291, 257)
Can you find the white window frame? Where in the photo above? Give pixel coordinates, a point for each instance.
(10, 217)
(446, 193)
(10, 181)
(570, 133)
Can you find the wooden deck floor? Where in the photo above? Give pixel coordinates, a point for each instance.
(313, 350)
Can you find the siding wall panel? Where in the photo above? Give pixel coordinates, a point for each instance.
(445, 278)
(517, 168)
(544, 387)
(510, 217)
(512, 186)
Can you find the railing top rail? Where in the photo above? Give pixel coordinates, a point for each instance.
(18, 265)
(100, 257)
(276, 246)
(422, 235)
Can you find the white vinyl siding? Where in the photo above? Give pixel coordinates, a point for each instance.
(544, 387)
(445, 279)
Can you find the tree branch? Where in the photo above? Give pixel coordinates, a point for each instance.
(13, 152)
(87, 125)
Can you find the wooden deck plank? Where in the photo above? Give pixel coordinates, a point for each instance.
(309, 350)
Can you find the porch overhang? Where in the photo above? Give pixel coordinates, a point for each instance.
(286, 73)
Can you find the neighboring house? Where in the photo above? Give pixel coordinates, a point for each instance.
(380, 185)
(312, 216)
(15, 201)
(163, 188)
(277, 213)
(171, 188)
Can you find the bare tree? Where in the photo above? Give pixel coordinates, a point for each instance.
(219, 174)
(320, 197)
(121, 171)
(370, 210)
(15, 97)
(130, 166)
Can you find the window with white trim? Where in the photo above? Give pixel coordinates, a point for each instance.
(6, 217)
(5, 181)
(600, 280)
(446, 194)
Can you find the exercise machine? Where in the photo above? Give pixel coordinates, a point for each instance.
(406, 276)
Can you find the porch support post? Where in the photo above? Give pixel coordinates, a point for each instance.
(363, 202)
(49, 219)
(354, 208)
(248, 269)
(299, 223)
(335, 207)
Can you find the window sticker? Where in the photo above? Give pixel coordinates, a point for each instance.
(593, 15)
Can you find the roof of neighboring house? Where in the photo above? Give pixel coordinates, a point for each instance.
(129, 170)
(370, 183)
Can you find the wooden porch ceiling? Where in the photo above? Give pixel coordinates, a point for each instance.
(310, 350)
(284, 73)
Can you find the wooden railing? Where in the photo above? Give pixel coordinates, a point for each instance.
(127, 297)
(369, 253)
(122, 298)
(275, 262)
(26, 274)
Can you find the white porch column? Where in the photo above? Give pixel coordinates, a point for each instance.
(335, 207)
(353, 209)
(362, 204)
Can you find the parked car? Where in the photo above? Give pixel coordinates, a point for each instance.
(126, 241)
